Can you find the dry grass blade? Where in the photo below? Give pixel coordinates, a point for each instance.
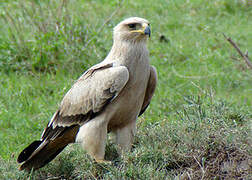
(244, 56)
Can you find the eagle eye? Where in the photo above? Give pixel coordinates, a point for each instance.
(132, 26)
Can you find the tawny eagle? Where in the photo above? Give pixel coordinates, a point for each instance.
(108, 97)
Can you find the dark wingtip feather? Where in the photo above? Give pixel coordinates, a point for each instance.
(37, 162)
(26, 153)
(46, 150)
(143, 110)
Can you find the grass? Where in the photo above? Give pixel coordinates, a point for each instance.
(198, 125)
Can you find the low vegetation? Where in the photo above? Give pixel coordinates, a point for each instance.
(198, 125)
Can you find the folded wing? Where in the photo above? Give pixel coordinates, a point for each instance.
(152, 83)
(95, 89)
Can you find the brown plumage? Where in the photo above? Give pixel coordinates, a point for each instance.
(108, 97)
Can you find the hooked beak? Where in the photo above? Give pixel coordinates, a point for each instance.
(147, 31)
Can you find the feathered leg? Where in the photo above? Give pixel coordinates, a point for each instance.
(124, 137)
(92, 137)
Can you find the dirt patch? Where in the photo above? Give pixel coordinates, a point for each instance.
(221, 162)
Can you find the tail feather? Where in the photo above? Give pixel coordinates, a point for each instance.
(40, 159)
(39, 153)
(27, 152)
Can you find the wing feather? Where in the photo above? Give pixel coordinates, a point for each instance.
(152, 83)
(95, 89)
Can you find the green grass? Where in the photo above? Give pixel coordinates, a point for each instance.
(199, 122)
